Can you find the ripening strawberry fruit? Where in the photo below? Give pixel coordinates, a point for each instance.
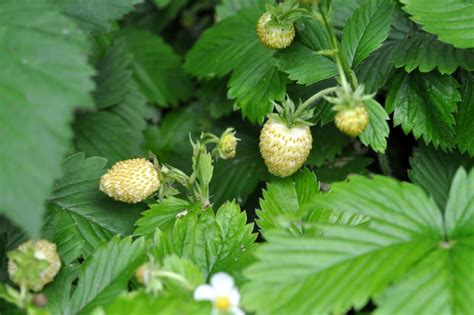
(42, 250)
(274, 35)
(130, 181)
(352, 121)
(284, 150)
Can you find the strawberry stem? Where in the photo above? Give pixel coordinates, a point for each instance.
(314, 98)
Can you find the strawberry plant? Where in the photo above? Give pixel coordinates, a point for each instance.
(237, 157)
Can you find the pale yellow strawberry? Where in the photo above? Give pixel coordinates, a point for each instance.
(275, 36)
(130, 181)
(352, 121)
(284, 150)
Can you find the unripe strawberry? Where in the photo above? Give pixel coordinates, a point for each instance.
(143, 274)
(130, 181)
(227, 145)
(21, 267)
(352, 121)
(274, 36)
(284, 150)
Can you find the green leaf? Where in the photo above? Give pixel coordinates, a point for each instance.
(451, 20)
(106, 273)
(424, 52)
(230, 181)
(344, 166)
(437, 285)
(328, 142)
(233, 46)
(344, 266)
(305, 66)
(375, 71)
(83, 216)
(214, 242)
(433, 170)
(366, 30)
(459, 213)
(10, 237)
(139, 303)
(156, 68)
(464, 121)
(44, 77)
(161, 215)
(283, 198)
(94, 16)
(184, 267)
(228, 8)
(376, 133)
(116, 130)
(423, 104)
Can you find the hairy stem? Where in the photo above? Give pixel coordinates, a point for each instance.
(314, 98)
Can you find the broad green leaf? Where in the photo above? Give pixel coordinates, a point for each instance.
(424, 52)
(184, 267)
(424, 104)
(114, 131)
(459, 213)
(213, 95)
(44, 77)
(376, 133)
(140, 303)
(439, 284)
(214, 242)
(283, 198)
(451, 20)
(82, 216)
(343, 10)
(237, 178)
(328, 142)
(344, 266)
(305, 66)
(375, 71)
(433, 170)
(106, 273)
(228, 8)
(96, 15)
(59, 291)
(464, 121)
(254, 81)
(156, 68)
(365, 31)
(161, 215)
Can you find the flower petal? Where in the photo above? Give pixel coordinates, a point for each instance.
(222, 283)
(204, 292)
(234, 297)
(237, 311)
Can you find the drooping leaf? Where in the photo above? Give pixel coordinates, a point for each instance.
(464, 121)
(433, 170)
(214, 242)
(451, 20)
(376, 133)
(156, 68)
(365, 31)
(96, 15)
(424, 52)
(44, 77)
(82, 216)
(344, 266)
(424, 104)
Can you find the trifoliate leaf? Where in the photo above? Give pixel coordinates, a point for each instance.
(96, 15)
(44, 77)
(464, 121)
(156, 68)
(344, 266)
(423, 104)
(451, 20)
(365, 31)
(214, 242)
(424, 52)
(433, 170)
(254, 81)
(376, 133)
(82, 216)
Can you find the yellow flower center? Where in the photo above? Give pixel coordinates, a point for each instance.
(222, 303)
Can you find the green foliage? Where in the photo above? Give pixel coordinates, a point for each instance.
(464, 123)
(377, 131)
(346, 265)
(441, 18)
(39, 93)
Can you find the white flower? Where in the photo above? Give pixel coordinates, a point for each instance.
(223, 294)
